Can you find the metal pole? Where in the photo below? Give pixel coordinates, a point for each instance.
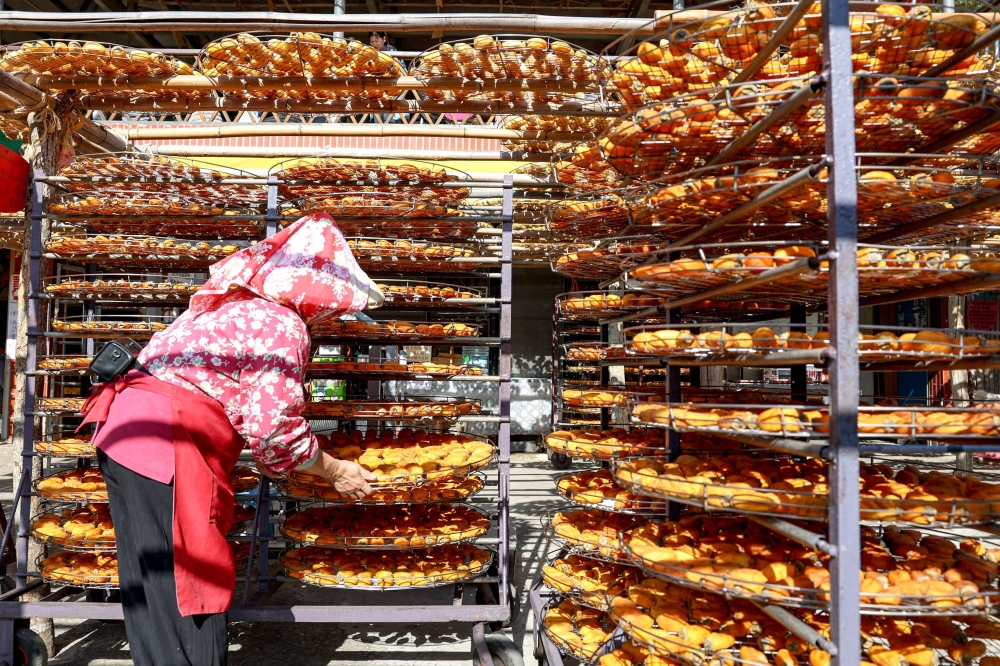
(796, 180)
(797, 315)
(262, 529)
(260, 533)
(506, 278)
(797, 627)
(805, 265)
(776, 40)
(842, 220)
(253, 540)
(791, 103)
(272, 205)
(673, 395)
(229, 22)
(959, 377)
(605, 380)
(554, 419)
(28, 446)
(339, 7)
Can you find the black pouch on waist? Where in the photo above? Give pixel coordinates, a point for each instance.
(115, 358)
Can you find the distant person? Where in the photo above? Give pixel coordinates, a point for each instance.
(380, 41)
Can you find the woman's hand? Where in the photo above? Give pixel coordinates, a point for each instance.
(266, 472)
(351, 479)
(348, 478)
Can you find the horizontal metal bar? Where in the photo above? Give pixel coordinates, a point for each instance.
(182, 150)
(230, 130)
(193, 220)
(59, 594)
(59, 373)
(964, 363)
(984, 283)
(798, 627)
(97, 335)
(394, 614)
(788, 270)
(792, 102)
(950, 140)
(191, 53)
(137, 179)
(375, 264)
(795, 533)
(796, 447)
(645, 361)
(777, 38)
(19, 591)
(417, 377)
(796, 180)
(770, 360)
(991, 528)
(345, 107)
(977, 45)
(467, 179)
(340, 83)
(164, 301)
(465, 342)
(941, 218)
(229, 22)
(909, 449)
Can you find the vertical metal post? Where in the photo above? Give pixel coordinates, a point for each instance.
(842, 221)
(555, 365)
(339, 7)
(89, 308)
(254, 538)
(31, 304)
(673, 395)
(263, 531)
(605, 380)
(6, 642)
(506, 279)
(260, 535)
(272, 205)
(797, 315)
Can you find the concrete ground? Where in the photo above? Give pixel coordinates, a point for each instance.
(93, 643)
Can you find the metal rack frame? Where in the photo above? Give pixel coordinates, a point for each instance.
(496, 611)
(842, 447)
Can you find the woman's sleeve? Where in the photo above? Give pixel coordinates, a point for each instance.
(272, 402)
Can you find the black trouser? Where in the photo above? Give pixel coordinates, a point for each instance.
(142, 511)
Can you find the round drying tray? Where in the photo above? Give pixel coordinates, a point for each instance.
(344, 569)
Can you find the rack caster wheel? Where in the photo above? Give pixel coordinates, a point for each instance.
(539, 654)
(560, 460)
(502, 651)
(515, 603)
(29, 648)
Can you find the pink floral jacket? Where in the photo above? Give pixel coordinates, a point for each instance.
(250, 355)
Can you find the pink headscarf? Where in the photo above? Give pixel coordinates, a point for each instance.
(307, 267)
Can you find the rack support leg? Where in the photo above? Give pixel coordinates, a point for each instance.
(842, 227)
(6, 642)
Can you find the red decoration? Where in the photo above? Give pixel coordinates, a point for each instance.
(13, 182)
(981, 313)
